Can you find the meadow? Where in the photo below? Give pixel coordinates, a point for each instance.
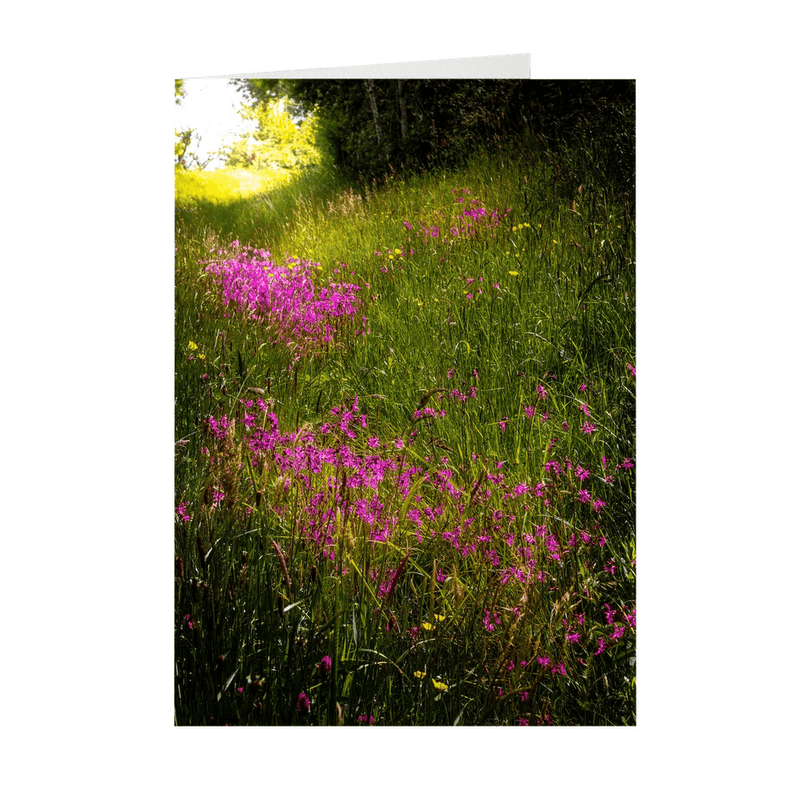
(405, 449)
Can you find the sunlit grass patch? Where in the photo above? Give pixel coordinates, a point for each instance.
(224, 185)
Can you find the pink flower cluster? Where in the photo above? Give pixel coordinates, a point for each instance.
(337, 474)
(285, 297)
(467, 223)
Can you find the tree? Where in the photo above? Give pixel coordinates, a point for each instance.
(277, 141)
(182, 141)
(375, 127)
(183, 138)
(187, 140)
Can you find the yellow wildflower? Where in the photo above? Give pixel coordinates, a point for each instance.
(439, 686)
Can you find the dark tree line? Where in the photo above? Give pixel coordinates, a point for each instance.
(372, 128)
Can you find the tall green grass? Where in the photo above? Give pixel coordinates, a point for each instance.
(536, 318)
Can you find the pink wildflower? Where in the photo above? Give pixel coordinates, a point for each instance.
(602, 646)
(303, 703)
(324, 666)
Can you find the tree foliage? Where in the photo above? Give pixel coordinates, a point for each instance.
(277, 141)
(375, 127)
(183, 138)
(187, 140)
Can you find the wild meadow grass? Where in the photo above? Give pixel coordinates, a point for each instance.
(405, 453)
